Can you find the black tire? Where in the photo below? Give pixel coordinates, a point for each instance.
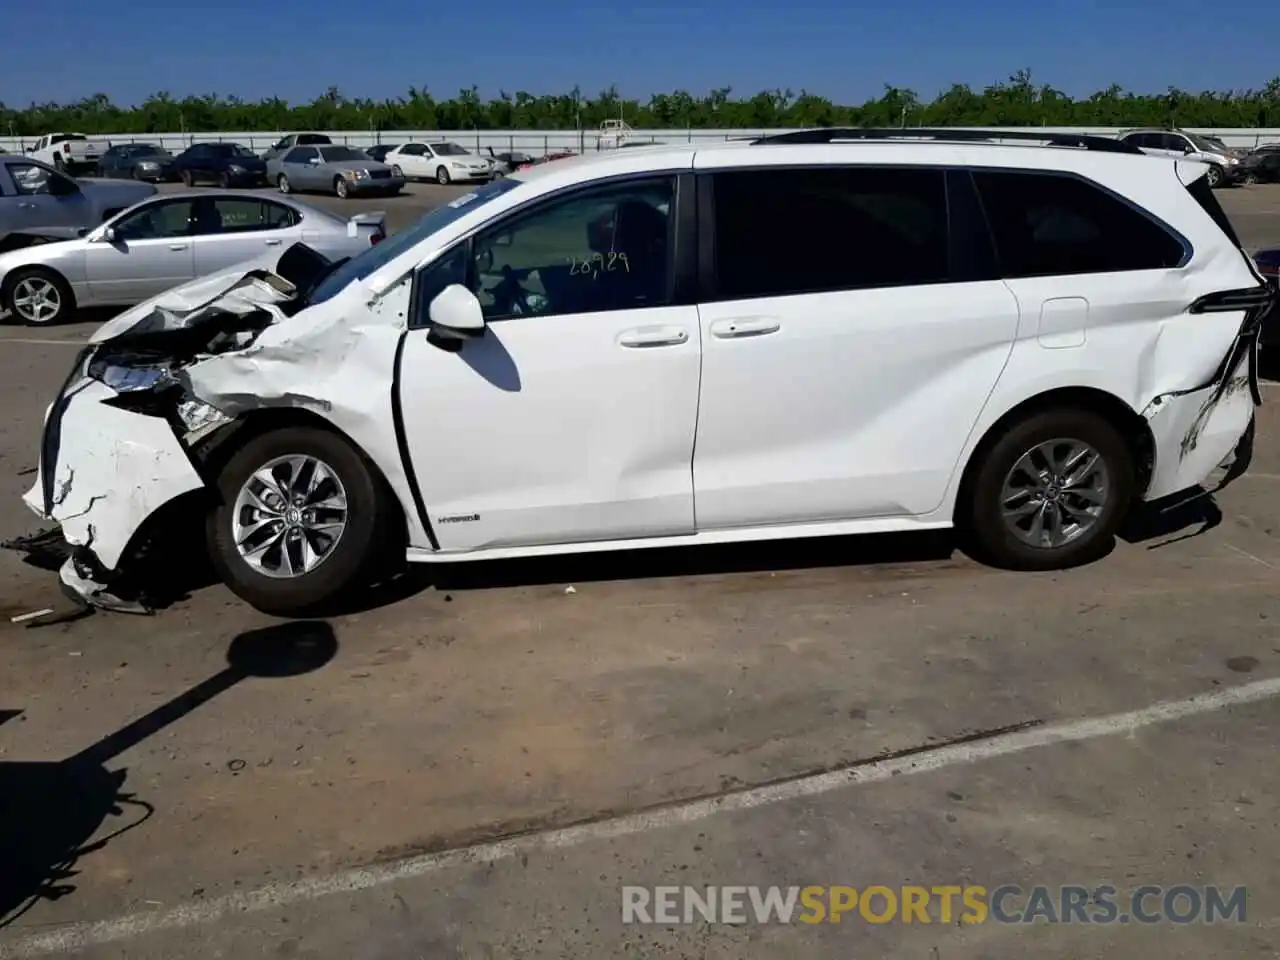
(397, 172)
(66, 298)
(353, 559)
(187, 179)
(224, 180)
(340, 188)
(1215, 176)
(58, 164)
(442, 177)
(282, 182)
(979, 515)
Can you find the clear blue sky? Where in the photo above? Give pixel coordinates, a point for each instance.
(294, 49)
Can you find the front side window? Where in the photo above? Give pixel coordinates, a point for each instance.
(1058, 225)
(785, 231)
(237, 215)
(30, 179)
(604, 249)
(156, 221)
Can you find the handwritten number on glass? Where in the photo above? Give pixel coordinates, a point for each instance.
(598, 263)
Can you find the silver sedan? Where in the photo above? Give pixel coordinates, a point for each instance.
(165, 241)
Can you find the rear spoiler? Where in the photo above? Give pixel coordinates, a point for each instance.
(377, 220)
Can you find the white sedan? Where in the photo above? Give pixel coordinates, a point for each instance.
(442, 162)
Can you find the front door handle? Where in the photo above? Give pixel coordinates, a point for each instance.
(745, 327)
(25, 205)
(177, 246)
(653, 337)
(272, 243)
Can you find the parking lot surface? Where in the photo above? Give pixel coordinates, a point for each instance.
(476, 763)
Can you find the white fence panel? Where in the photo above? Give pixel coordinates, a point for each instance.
(538, 142)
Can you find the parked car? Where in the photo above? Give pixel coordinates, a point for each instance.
(137, 161)
(506, 162)
(285, 144)
(226, 164)
(1268, 263)
(167, 241)
(37, 203)
(441, 162)
(1223, 161)
(344, 171)
(689, 330)
(1259, 166)
(380, 151)
(68, 152)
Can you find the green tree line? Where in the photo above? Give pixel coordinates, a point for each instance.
(1018, 101)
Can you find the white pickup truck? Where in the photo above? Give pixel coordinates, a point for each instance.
(71, 152)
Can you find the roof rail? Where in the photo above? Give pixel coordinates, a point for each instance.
(836, 134)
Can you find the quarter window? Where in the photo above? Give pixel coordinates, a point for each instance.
(238, 215)
(607, 249)
(1052, 225)
(781, 232)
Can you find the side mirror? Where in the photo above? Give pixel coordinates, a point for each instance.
(315, 160)
(456, 314)
(109, 235)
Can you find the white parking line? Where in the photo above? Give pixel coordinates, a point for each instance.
(82, 936)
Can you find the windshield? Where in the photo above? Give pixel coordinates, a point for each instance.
(360, 266)
(448, 150)
(339, 154)
(231, 150)
(312, 138)
(1212, 144)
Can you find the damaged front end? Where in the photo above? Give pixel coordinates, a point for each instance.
(121, 437)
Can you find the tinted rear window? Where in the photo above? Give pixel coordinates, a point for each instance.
(1056, 225)
(843, 228)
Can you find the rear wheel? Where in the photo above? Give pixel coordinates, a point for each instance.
(397, 172)
(58, 164)
(38, 296)
(301, 519)
(1050, 493)
(224, 180)
(442, 176)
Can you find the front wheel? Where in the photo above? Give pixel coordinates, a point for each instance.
(340, 188)
(1050, 493)
(37, 296)
(283, 183)
(442, 176)
(300, 523)
(397, 172)
(187, 179)
(224, 180)
(1214, 176)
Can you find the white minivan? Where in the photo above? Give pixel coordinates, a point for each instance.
(819, 333)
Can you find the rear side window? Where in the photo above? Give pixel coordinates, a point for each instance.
(1053, 225)
(780, 232)
(1203, 193)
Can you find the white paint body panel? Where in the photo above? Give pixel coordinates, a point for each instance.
(553, 431)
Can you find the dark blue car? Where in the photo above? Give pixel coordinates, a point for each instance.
(226, 164)
(137, 161)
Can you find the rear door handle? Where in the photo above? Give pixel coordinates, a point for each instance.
(272, 243)
(25, 205)
(653, 337)
(745, 327)
(177, 246)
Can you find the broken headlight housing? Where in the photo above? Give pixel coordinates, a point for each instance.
(128, 379)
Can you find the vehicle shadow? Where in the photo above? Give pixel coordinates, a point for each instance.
(52, 814)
